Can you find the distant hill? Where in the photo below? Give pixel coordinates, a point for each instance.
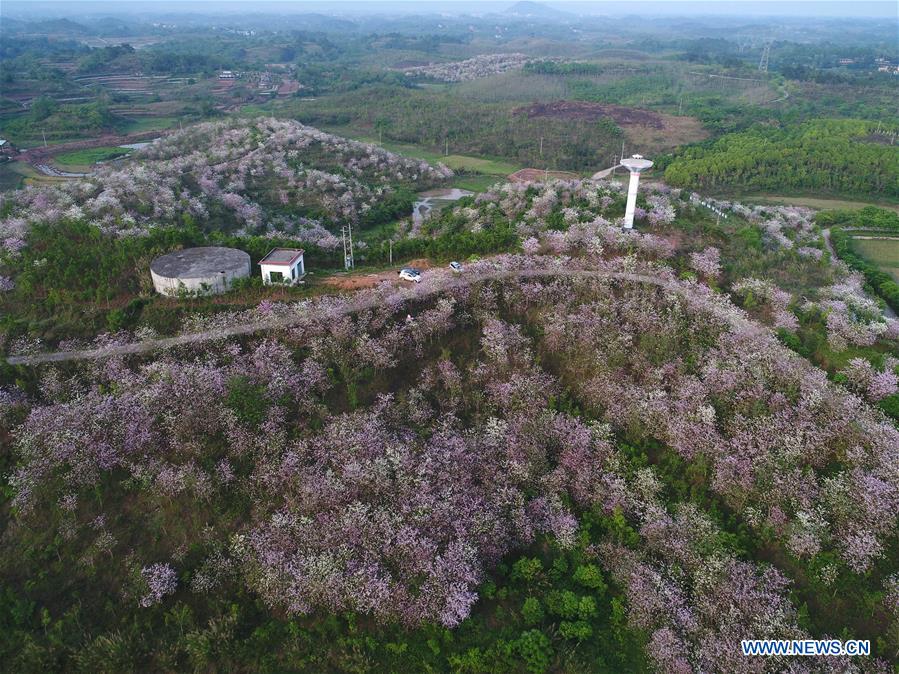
(56, 27)
(534, 9)
(112, 27)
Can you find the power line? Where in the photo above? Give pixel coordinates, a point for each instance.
(766, 53)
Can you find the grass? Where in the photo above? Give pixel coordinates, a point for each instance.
(833, 361)
(478, 165)
(15, 173)
(133, 125)
(482, 166)
(487, 166)
(89, 156)
(882, 252)
(475, 183)
(10, 179)
(26, 143)
(379, 232)
(255, 110)
(142, 124)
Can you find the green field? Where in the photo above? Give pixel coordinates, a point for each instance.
(479, 165)
(821, 203)
(141, 124)
(457, 162)
(10, 179)
(16, 174)
(476, 183)
(89, 156)
(882, 252)
(489, 166)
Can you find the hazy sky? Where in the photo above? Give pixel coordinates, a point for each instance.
(886, 9)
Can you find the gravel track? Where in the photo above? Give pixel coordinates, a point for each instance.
(278, 324)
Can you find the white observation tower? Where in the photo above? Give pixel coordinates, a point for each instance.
(636, 165)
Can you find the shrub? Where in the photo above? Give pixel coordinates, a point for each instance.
(577, 631)
(563, 603)
(590, 575)
(586, 608)
(247, 401)
(532, 611)
(536, 650)
(527, 569)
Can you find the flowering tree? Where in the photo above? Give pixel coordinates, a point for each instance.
(707, 263)
(161, 580)
(392, 447)
(253, 175)
(483, 65)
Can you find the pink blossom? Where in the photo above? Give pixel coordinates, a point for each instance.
(707, 263)
(161, 580)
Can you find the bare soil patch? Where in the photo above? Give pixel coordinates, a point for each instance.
(675, 131)
(649, 131)
(591, 112)
(288, 88)
(354, 281)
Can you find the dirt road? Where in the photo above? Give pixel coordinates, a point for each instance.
(350, 281)
(350, 308)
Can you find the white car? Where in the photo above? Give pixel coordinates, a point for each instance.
(410, 274)
(456, 266)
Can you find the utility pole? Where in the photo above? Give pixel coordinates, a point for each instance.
(44, 134)
(541, 146)
(352, 259)
(446, 150)
(346, 234)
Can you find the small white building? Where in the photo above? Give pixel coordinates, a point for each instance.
(283, 265)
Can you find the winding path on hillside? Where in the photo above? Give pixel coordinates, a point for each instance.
(350, 308)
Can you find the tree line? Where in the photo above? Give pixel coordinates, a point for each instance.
(439, 121)
(823, 155)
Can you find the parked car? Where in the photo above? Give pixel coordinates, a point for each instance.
(456, 266)
(409, 274)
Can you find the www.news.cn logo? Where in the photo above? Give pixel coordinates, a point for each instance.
(805, 647)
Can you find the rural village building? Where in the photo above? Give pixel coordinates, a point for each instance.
(283, 265)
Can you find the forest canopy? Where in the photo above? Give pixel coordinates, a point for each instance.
(836, 156)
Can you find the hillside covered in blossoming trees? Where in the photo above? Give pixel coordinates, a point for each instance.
(256, 176)
(591, 450)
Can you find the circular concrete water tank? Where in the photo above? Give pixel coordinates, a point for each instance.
(203, 271)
